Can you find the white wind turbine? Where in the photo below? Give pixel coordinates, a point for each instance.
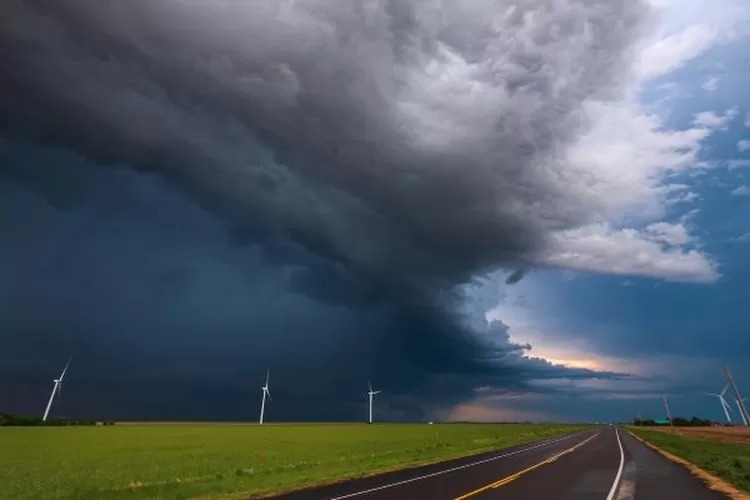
(724, 405)
(266, 392)
(55, 390)
(744, 415)
(371, 393)
(666, 408)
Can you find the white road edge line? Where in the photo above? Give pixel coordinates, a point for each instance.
(613, 490)
(452, 469)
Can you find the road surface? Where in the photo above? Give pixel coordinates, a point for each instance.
(603, 464)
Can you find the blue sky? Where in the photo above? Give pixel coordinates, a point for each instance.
(181, 210)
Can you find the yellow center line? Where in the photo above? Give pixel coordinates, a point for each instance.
(516, 475)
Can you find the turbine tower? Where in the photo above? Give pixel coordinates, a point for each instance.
(739, 409)
(738, 398)
(266, 392)
(371, 393)
(55, 390)
(666, 407)
(724, 405)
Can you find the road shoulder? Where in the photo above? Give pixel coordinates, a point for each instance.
(711, 481)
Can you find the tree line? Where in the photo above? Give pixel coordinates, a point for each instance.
(677, 421)
(7, 419)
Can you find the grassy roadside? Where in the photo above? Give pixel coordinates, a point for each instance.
(213, 460)
(728, 461)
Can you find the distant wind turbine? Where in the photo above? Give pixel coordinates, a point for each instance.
(738, 398)
(55, 390)
(724, 405)
(371, 393)
(266, 392)
(666, 407)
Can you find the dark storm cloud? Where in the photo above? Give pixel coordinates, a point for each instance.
(365, 158)
(401, 137)
(160, 306)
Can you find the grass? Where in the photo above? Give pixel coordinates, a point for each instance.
(729, 461)
(148, 461)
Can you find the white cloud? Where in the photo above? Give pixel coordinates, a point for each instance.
(711, 84)
(687, 197)
(621, 163)
(669, 53)
(743, 237)
(681, 13)
(671, 234)
(741, 191)
(653, 251)
(689, 216)
(743, 146)
(620, 169)
(712, 120)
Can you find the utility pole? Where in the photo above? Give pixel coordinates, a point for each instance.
(740, 403)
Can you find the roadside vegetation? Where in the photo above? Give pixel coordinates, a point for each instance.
(180, 461)
(728, 460)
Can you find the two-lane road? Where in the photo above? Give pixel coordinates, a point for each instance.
(602, 464)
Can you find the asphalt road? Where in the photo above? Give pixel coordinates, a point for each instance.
(602, 464)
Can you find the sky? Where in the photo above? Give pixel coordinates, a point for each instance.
(492, 210)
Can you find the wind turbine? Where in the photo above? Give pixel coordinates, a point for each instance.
(739, 399)
(371, 393)
(55, 390)
(666, 407)
(266, 392)
(724, 405)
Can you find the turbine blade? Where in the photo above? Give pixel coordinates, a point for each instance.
(62, 376)
(725, 389)
(369, 385)
(268, 376)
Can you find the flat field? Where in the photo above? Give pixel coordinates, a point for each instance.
(228, 461)
(737, 434)
(726, 458)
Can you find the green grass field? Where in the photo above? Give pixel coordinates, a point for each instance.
(728, 461)
(184, 461)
